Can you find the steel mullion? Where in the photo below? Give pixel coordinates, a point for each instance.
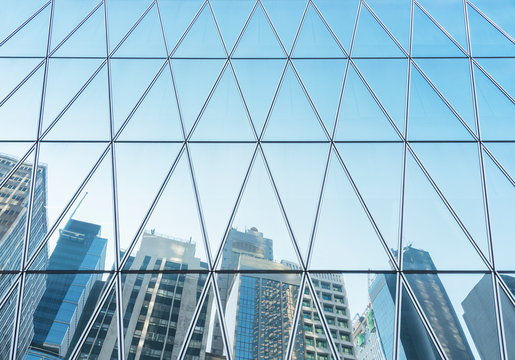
(245, 26)
(497, 27)
(181, 39)
(15, 168)
(295, 320)
(221, 318)
(30, 205)
(499, 166)
(25, 22)
(494, 81)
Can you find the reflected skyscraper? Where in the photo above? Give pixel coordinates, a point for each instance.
(482, 326)
(158, 304)
(78, 248)
(14, 197)
(436, 304)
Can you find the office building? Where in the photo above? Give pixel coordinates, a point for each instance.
(80, 248)
(14, 198)
(159, 304)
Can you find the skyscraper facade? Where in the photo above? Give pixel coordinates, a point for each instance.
(14, 199)
(346, 131)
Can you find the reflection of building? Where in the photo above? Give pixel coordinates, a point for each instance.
(79, 248)
(249, 243)
(14, 197)
(158, 305)
(260, 309)
(366, 338)
(432, 297)
(330, 289)
(480, 323)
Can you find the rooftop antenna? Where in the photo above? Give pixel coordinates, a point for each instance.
(80, 202)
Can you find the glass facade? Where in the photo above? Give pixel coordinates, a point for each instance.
(257, 179)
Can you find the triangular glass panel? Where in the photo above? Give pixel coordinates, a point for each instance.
(258, 224)
(176, 17)
(500, 12)
(13, 71)
(88, 40)
(459, 308)
(225, 117)
(298, 170)
(315, 40)
(354, 232)
(496, 112)
(430, 231)
(395, 15)
(102, 338)
(206, 338)
(381, 292)
(7, 314)
(218, 188)
(360, 117)
(260, 309)
(455, 169)
(452, 78)
(19, 115)
(90, 214)
(67, 15)
(15, 13)
(194, 80)
(157, 117)
(258, 80)
(381, 196)
(340, 16)
(285, 16)
(169, 299)
(501, 207)
(508, 311)
(371, 40)
(429, 40)
(65, 79)
(429, 117)
(14, 203)
(58, 310)
(31, 40)
(86, 229)
(129, 80)
(323, 80)
(87, 118)
(311, 338)
(141, 169)
(231, 17)
(501, 70)
(387, 79)
(203, 31)
(450, 15)
(485, 39)
(122, 15)
(414, 337)
(173, 230)
(292, 117)
(504, 153)
(258, 39)
(146, 40)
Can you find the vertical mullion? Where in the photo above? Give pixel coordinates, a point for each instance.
(494, 274)
(28, 221)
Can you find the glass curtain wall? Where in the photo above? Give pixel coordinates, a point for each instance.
(261, 179)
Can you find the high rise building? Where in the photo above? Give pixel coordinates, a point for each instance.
(252, 243)
(78, 248)
(14, 198)
(480, 325)
(367, 343)
(159, 304)
(435, 302)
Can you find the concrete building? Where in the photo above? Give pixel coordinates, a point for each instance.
(158, 304)
(14, 198)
